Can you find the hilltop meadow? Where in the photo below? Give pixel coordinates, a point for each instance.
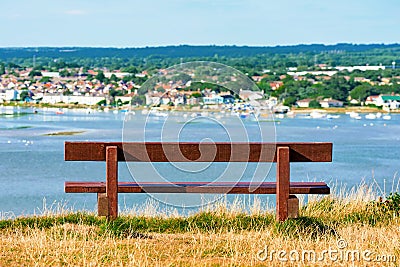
(357, 228)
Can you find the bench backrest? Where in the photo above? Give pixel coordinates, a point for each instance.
(199, 152)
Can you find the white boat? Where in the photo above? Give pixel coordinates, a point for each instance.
(378, 115)
(317, 114)
(159, 114)
(370, 116)
(387, 117)
(353, 114)
(291, 114)
(329, 116)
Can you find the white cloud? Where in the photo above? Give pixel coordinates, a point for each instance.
(76, 12)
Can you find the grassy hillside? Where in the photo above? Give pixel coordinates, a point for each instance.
(359, 226)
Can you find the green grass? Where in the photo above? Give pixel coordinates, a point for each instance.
(221, 236)
(317, 218)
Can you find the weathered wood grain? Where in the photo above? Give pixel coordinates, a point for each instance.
(198, 152)
(198, 187)
(112, 181)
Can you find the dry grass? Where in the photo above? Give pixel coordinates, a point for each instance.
(222, 236)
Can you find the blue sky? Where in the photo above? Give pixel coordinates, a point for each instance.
(124, 23)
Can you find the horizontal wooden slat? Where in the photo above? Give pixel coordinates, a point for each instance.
(198, 152)
(198, 187)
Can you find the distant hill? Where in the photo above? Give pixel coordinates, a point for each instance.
(183, 51)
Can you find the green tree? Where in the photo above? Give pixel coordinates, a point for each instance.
(196, 95)
(264, 86)
(34, 73)
(114, 78)
(2, 69)
(139, 100)
(289, 101)
(65, 73)
(361, 92)
(24, 95)
(314, 104)
(45, 79)
(100, 76)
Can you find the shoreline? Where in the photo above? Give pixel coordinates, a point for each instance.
(343, 110)
(295, 110)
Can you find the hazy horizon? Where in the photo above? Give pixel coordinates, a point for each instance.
(198, 45)
(154, 23)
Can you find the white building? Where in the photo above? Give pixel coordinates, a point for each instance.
(362, 68)
(303, 103)
(51, 74)
(388, 102)
(72, 99)
(83, 100)
(250, 95)
(330, 103)
(52, 98)
(213, 100)
(11, 94)
(315, 73)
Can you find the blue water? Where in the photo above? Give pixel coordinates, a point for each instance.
(33, 170)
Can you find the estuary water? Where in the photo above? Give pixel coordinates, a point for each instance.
(33, 170)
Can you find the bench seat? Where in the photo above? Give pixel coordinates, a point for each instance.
(199, 187)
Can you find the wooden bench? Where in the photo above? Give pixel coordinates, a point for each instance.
(281, 153)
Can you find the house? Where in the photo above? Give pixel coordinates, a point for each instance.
(362, 68)
(388, 102)
(315, 73)
(72, 99)
(304, 103)
(330, 103)
(119, 75)
(363, 80)
(354, 102)
(228, 99)
(52, 98)
(2, 95)
(257, 78)
(51, 74)
(125, 98)
(250, 95)
(213, 99)
(275, 85)
(153, 98)
(11, 95)
(271, 102)
(385, 81)
(372, 100)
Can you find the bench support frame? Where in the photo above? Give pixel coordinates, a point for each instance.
(112, 181)
(287, 204)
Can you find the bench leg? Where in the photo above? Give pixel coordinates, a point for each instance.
(293, 207)
(102, 204)
(112, 181)
(282, 183)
